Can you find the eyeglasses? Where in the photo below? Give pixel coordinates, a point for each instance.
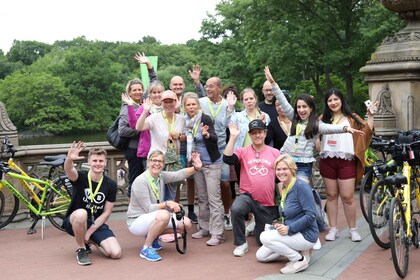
(268, 90)
(155, 161)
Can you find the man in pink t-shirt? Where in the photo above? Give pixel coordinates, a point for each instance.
(257, 181)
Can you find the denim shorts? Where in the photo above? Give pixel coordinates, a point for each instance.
(102, 233)
(304, 170)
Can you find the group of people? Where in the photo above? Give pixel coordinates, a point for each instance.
(177, 136)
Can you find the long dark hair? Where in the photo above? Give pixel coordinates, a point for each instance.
(345, 108)
(311, 129)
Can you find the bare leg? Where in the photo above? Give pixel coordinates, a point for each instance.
(78, 220)
(346, 189)
(157, 227)
(331, 187)
(110, 247)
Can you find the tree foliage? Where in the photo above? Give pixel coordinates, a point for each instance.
(310, 46)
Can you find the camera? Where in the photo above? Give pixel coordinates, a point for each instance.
(180, 214)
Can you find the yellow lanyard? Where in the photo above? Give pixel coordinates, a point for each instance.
(170, 125)
(299, 128)
(337, 121)
(93, 193)
(154, 184)
(214, 115)
(284, 126)
(284, 193)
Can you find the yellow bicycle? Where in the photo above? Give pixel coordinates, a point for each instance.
(403, 226)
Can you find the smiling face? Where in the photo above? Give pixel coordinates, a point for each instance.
(213, 89)
(283, 173)
(334, 103)
(279, 110)
(155, 164)
(303, 109)
(155, 94)
(136, 92)
(97, 163)
(177, 85)
(268, 92)
(258, 136)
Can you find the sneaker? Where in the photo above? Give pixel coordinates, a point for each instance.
(149, 254)
(250, 227)
(88, 250)
(317, 245)
(241, 250)
(200, 234)
(82, 257)
(332, 234)
(354, 235)
(228, 224)
(156, 245)
(293, 267)
(193, 217)
(216, 240)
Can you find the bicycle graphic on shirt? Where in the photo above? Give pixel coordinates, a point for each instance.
(255, 170)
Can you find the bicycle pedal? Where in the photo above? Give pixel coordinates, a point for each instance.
(31, 231)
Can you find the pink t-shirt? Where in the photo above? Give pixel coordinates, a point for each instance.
(257, 173)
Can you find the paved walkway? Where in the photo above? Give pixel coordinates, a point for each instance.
(30, 257)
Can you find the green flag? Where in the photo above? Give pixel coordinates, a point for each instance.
(145, 73)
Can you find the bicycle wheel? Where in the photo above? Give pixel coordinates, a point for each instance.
(378, 213)
(399, 239)
(58, 204)
(364, 193)
(8, 208)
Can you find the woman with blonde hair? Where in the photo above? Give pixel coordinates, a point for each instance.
(296, 230)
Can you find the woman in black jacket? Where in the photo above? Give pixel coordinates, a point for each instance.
(201, 137)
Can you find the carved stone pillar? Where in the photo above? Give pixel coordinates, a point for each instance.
(394, 71)
(7, 127)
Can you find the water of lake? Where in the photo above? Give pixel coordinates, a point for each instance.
(42, 140)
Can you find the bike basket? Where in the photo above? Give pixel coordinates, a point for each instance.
(411, 153)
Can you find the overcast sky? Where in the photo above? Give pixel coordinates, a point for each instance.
(169, 21)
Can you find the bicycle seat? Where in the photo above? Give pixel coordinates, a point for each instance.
(397, 179)
(53, 158)
(55, 163)
(384, 168)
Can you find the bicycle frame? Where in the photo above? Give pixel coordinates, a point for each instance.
(25, 184)
(47, 186)
(406, 195)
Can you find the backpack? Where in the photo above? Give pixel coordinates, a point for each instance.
(321, 216)
(114, 137)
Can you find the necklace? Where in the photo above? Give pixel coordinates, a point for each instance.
(338, 120)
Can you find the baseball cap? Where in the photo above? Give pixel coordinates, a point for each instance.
(256, 124)
(169, 94)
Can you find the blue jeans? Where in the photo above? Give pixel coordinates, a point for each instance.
(304, 170)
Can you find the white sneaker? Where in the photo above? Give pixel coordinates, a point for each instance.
(317, 245)
(354, 235)
(228, 223)
(241, 250)
(250, 227)
(332, 234)
(293, 267)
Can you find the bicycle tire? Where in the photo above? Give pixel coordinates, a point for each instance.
(398, 239)
(9, 207)
(378, 214)
(364, 193)
(58, 202)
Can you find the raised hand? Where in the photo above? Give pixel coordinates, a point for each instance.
(231, 99)
(234, 130)
(262, 117)
(141, 58)
(75, 149)
(125, 97)
(373, 108)
(268, 75)
(147, 104)
(205, 130)
(196, 161)
(195, 73)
